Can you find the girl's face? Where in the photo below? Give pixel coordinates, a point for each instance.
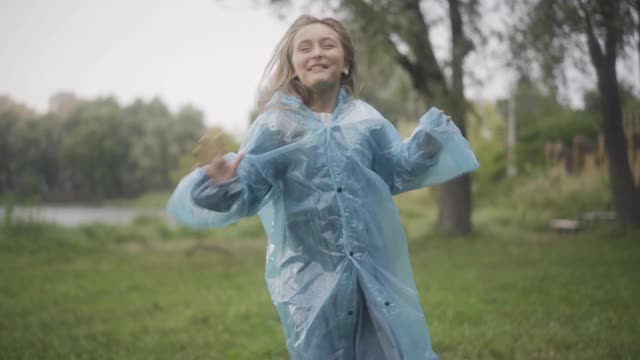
(318, 57)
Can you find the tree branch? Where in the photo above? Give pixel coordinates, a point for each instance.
(612, 30)
(422, 47)
(417, 76)
(594, 46)
(424, 69)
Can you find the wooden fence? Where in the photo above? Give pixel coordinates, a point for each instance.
(588, 156)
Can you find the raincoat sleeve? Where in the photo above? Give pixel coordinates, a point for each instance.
(435, 152)
(200, 202)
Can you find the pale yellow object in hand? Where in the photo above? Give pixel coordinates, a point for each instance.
(208, 147)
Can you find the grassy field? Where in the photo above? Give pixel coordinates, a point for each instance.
(513, 290)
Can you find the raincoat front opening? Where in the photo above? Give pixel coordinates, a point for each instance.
(337, 263)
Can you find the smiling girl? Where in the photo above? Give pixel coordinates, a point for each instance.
(320, 167)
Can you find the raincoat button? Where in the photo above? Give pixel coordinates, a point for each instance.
(350, 312)
(350, 253)
(386, 303)
(339, 189)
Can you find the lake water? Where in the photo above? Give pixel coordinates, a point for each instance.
(81, 215)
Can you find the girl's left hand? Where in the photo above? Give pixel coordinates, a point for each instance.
(448, 116)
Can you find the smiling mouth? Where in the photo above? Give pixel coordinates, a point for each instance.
(318, 67)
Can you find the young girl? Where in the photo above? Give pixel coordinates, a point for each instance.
(320, 167)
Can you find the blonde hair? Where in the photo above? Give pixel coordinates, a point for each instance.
(279, 73)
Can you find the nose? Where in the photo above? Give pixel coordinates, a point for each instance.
(317, 51)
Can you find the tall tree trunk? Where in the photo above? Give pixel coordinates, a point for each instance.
(455, 196)
(626, 198)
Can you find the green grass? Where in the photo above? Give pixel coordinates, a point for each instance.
(533, 296)
(513, 290)
(65, 296)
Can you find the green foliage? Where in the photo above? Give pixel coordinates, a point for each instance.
(531, 201)
(99, 151)
(95, 148)
(27, 145)
(547, 35)
(8, 122)
(8, 206)
(487, 134)
(185, 165)
(540, 118)
(386, 86)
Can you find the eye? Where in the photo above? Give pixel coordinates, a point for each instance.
(304, 49)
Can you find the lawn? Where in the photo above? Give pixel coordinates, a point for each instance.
(513, 290)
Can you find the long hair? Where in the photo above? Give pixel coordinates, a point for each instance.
(279, 73)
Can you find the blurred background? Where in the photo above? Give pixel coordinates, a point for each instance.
(533, 256)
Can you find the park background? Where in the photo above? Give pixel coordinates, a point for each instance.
(91, 266)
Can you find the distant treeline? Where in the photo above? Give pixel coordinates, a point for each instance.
(99, 150)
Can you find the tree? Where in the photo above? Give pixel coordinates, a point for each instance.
(161, 139)
(541, 118)
(99, 150)
(28, 144)
(9, 121)
(550, 31)
(95, 149)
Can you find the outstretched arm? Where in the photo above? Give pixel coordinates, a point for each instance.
(220, 188)
(435, 152)
(229, 187)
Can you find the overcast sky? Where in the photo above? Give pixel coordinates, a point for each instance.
(208, 53)
(204, 52)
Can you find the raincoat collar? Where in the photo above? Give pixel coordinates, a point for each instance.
(287, 100)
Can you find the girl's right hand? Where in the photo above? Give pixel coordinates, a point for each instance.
(219, 170)
(209, 146)
(209, 152)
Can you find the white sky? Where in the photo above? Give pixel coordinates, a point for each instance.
(209, 53)
(204, 52)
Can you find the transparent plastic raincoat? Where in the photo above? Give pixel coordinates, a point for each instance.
(337, 264)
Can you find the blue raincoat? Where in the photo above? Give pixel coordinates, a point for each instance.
(337, 264)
